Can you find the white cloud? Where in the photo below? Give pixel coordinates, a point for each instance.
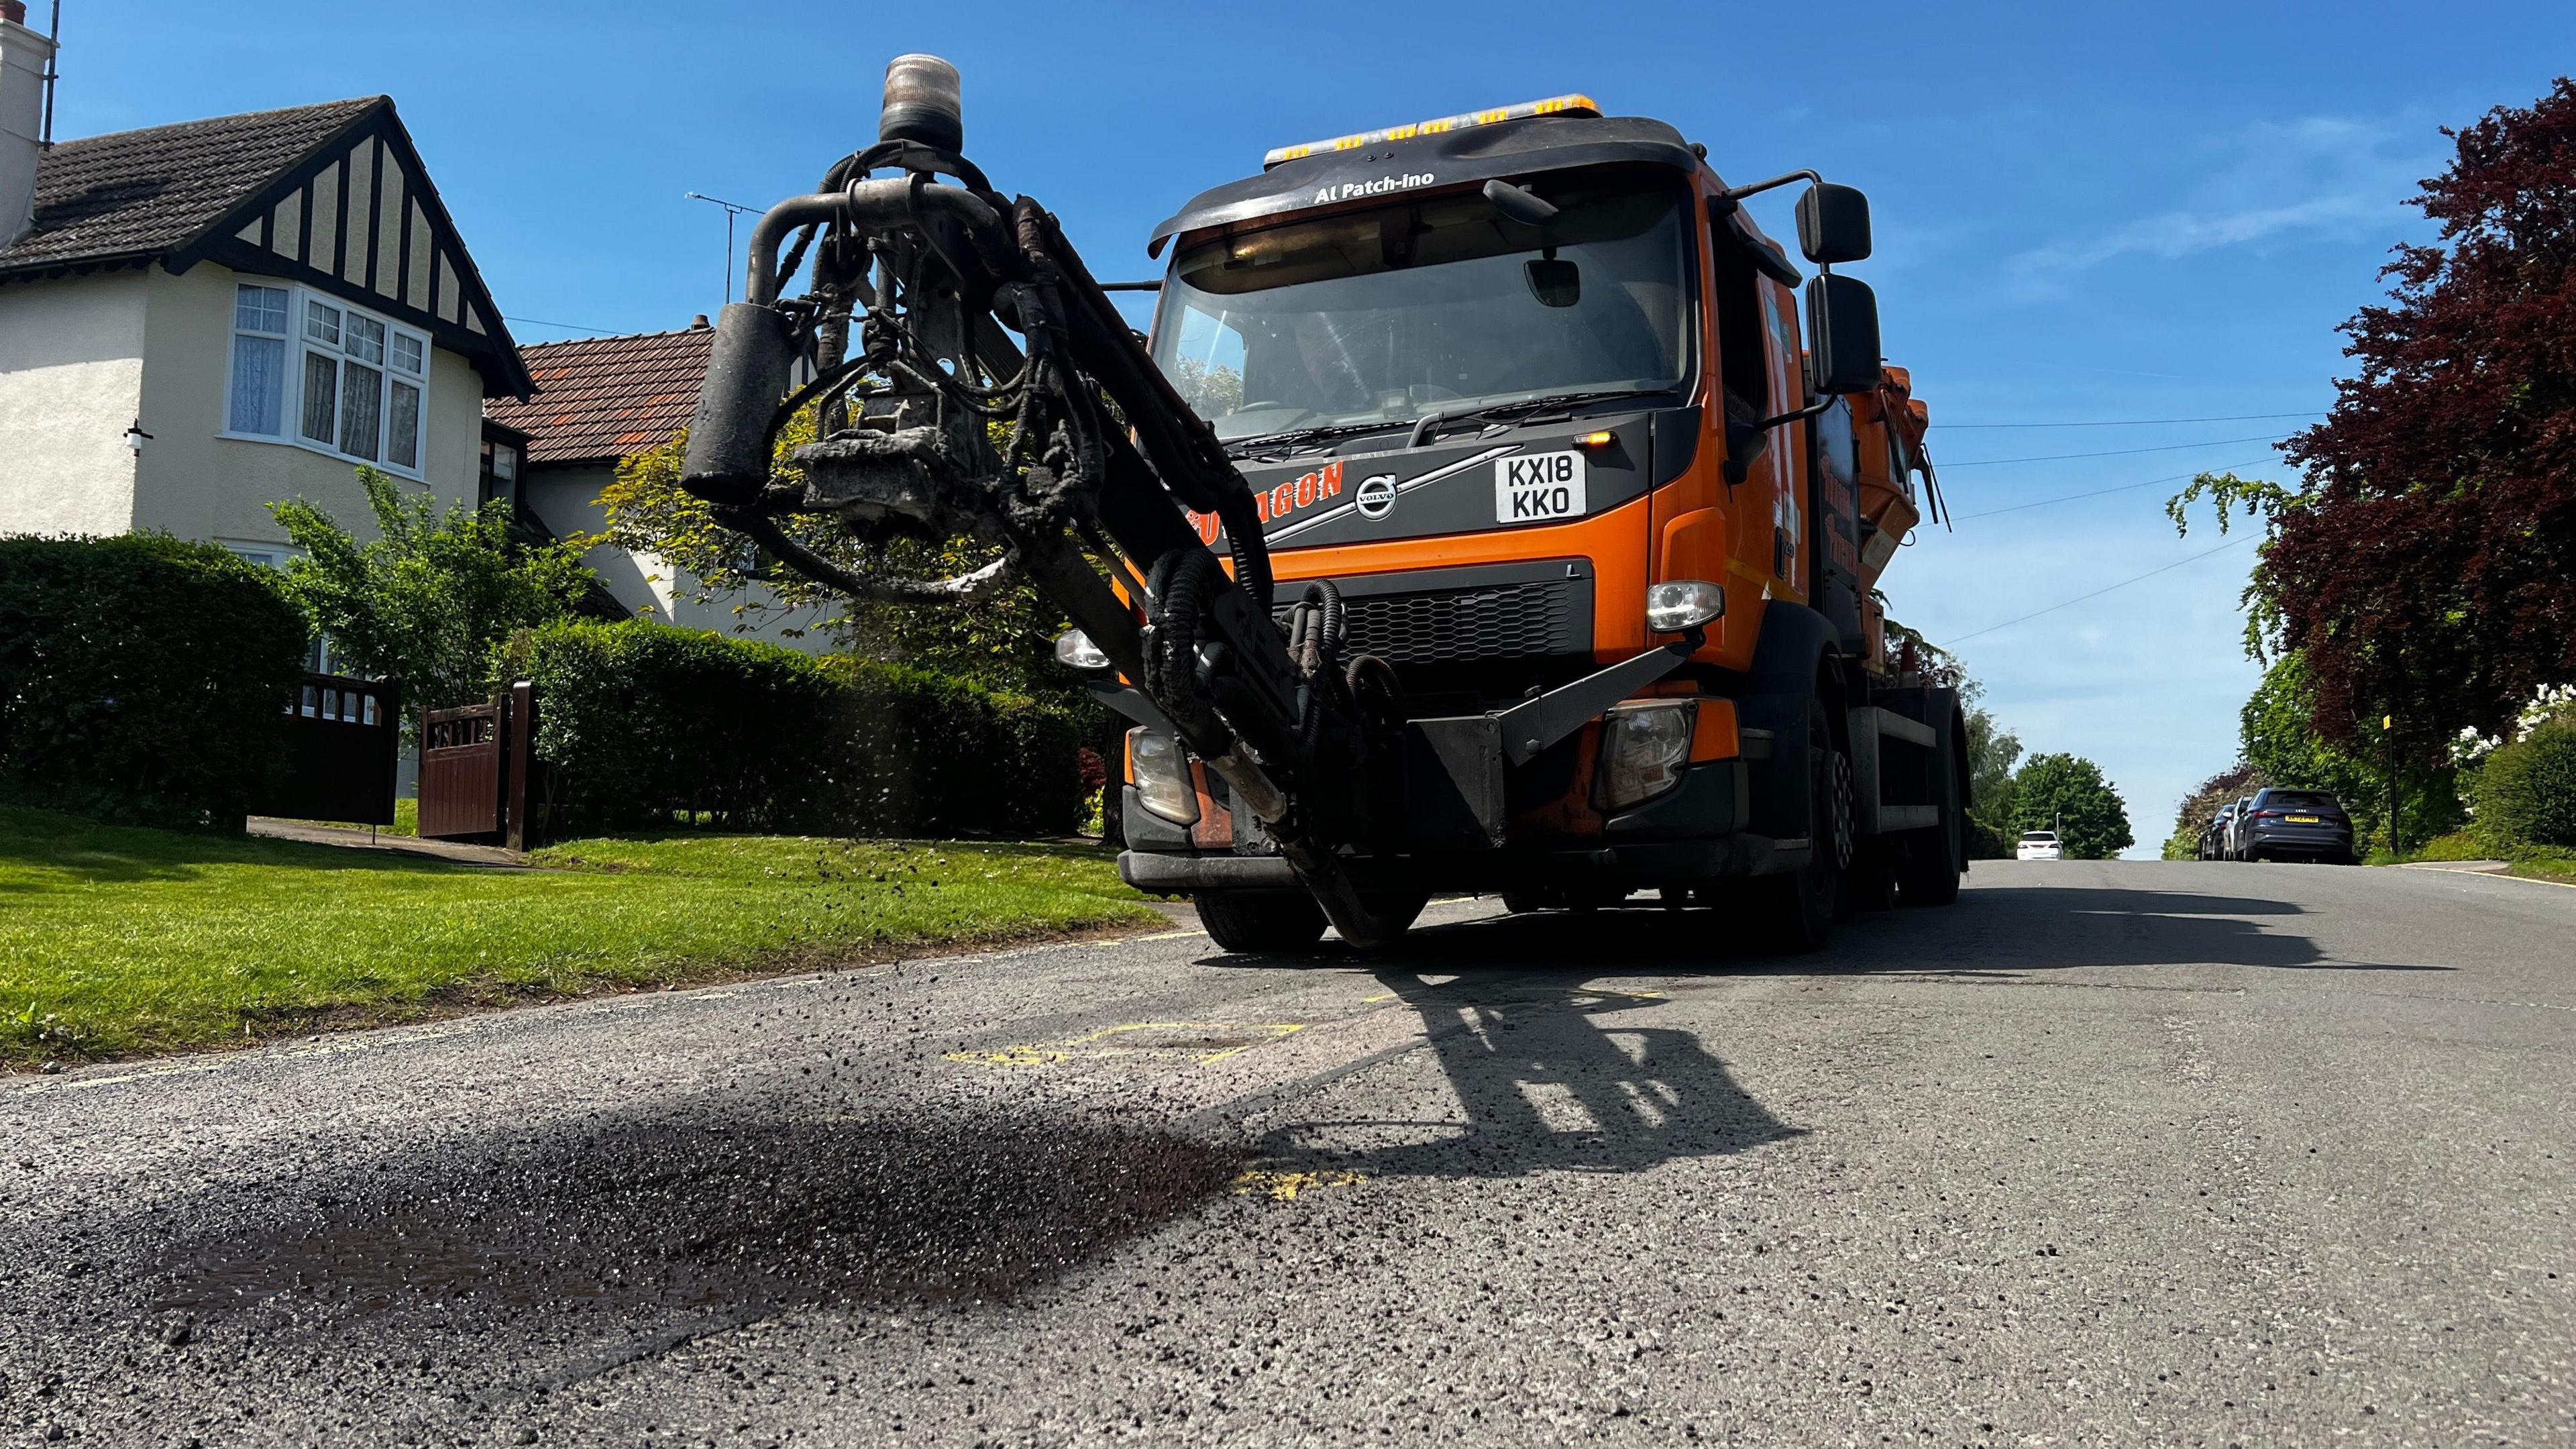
(2319, 176)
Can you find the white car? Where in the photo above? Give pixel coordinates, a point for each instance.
(2040, 845)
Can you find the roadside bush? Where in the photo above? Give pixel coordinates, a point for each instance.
(142, 678)
(2526, 791)
(640, 722)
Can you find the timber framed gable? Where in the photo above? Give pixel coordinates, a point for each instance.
(359, 217)
(332, 196)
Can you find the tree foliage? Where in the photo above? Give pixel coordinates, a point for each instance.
(1992, 753)
(2202, 805)
(432, 594)
(2423, 572)
(2527, 791)
(2068, 794)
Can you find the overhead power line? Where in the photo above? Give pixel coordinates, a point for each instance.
(2098, 492)
(566, 326)
(2097, 593)
(2112, 453)
(2131, 422)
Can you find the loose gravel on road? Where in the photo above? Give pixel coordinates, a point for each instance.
(2108, 1153)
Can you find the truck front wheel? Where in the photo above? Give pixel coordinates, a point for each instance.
(1261, 920)
(1801, 903)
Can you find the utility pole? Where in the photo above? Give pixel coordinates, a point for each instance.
(732, 209)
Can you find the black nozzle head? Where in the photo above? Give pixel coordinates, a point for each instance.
(922, 104)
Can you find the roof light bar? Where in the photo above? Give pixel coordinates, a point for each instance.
(1568, 105)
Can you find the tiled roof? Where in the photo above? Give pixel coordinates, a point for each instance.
(605, 397)
(139, 194)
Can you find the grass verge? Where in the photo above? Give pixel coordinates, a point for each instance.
(115, 941)
(2466, 845)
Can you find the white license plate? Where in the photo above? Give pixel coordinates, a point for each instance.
(1538, 487)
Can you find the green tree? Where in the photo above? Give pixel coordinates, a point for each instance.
(432, 594)
(1992, 753)
(2067, 794)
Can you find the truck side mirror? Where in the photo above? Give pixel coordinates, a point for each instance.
(1833, 224)
(1842, 335)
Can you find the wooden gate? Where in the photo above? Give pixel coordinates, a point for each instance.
(460, 772)
(343, 750)
(476, 764)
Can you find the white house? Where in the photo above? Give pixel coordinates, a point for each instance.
(201, 319)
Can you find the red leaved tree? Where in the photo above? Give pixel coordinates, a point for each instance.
(2429, 567)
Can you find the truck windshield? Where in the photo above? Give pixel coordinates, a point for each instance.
(1437, 305)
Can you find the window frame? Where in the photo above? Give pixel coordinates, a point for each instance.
(300, 345)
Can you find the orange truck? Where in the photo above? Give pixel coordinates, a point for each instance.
(1527, 446)
(1494, 509)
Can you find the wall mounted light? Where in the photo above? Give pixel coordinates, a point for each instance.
(135, 437)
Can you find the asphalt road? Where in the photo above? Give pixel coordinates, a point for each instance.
(2107, 1153)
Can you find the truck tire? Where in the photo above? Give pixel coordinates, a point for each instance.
(1800, 904)
(1930, 873)
(1261, 920)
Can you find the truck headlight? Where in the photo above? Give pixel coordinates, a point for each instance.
(1161, 770)
(1643, 750)
(1074, 648)
(1683, 604)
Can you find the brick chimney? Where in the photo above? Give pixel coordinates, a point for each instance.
(24, 58)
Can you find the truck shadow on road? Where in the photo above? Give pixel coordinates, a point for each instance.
(1545, 1077)
(1994, 932)
(1524, 1014)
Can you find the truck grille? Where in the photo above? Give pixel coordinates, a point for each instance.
(1482, 620)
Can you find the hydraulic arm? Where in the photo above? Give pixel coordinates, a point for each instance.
(994, 391)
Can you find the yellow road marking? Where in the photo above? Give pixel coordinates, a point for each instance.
(1284, 1186)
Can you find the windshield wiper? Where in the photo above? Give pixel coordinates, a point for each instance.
(1243, 447)
(1520, 411)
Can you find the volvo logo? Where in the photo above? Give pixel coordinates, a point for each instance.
(1376, 498)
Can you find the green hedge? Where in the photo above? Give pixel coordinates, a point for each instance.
(2526, 791)
(640, 723)
(142, 679)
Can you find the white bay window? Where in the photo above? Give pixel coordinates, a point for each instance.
(355, 390)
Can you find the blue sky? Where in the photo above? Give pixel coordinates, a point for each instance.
(2084, 215)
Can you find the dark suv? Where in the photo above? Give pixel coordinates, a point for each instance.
(2295, 824)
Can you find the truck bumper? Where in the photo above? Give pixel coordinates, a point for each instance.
(1635, 866)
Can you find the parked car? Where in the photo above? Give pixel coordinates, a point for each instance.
(2213, 836)
(2231, 844)
(2295, 825)
(2039, 845)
